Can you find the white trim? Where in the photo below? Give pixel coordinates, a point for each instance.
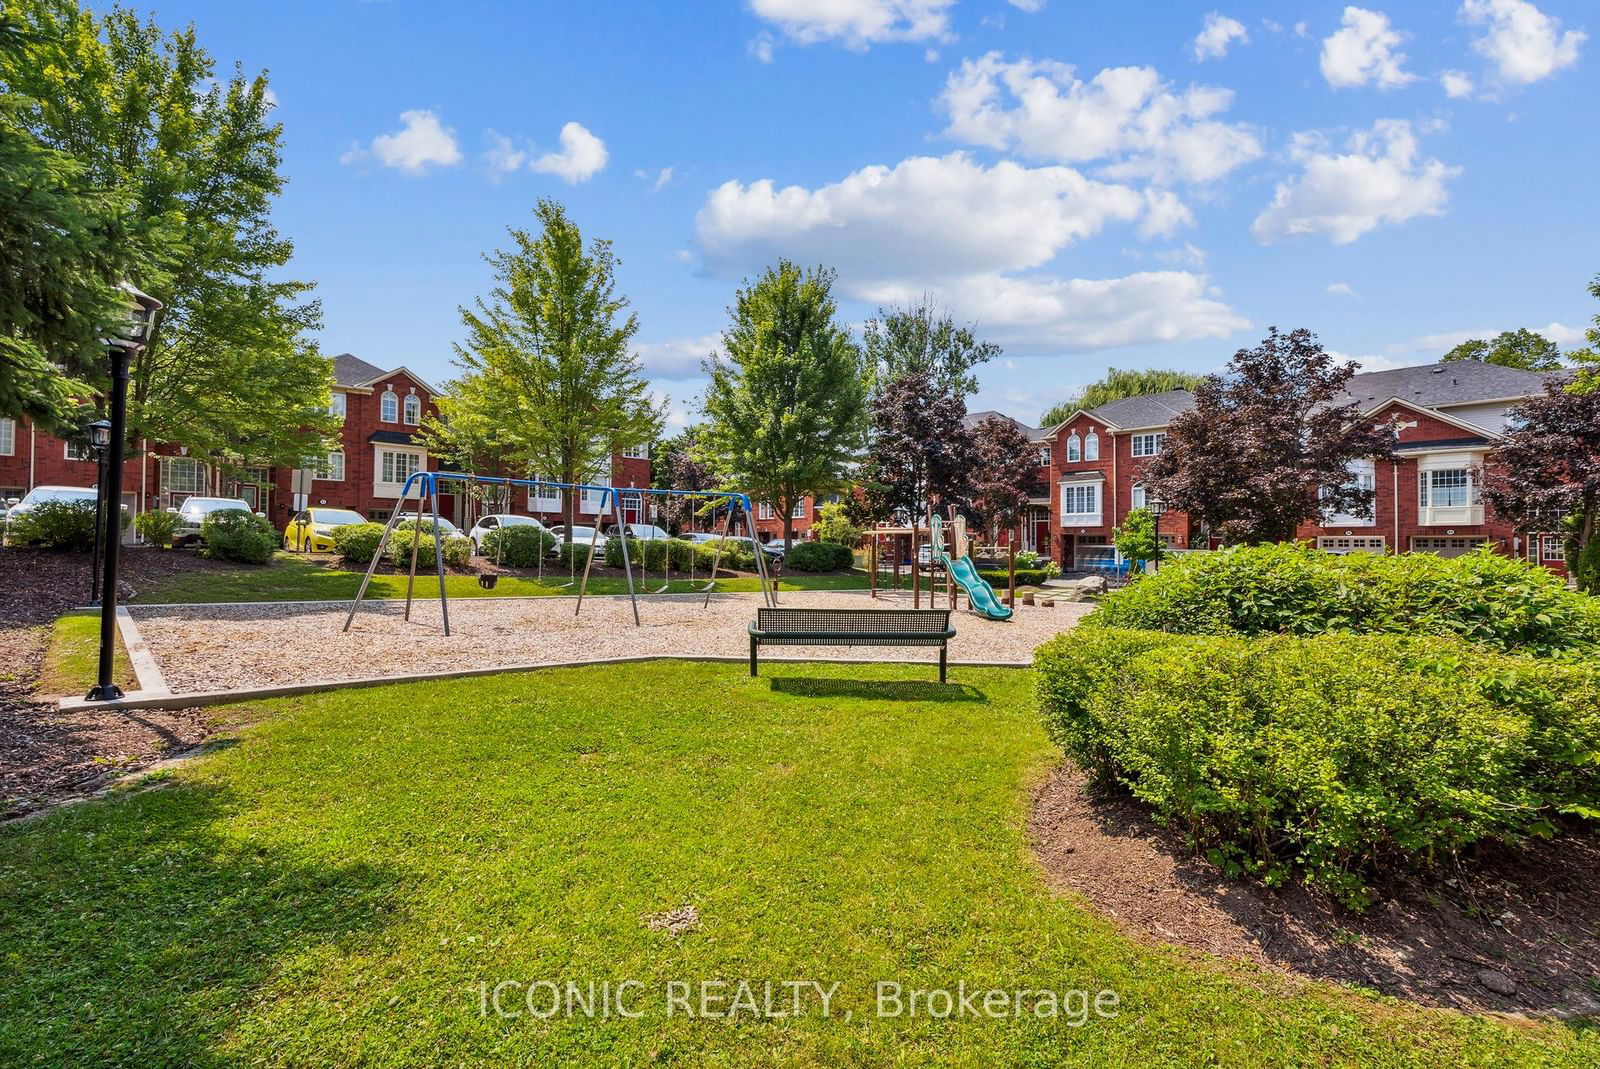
(8, 440)
(1445, 417)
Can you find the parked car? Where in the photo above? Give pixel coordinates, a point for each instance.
(646, 532)
(40, 494)
(193, 512)
(583, 536)
(495, 522)
(773, 550)
(311, 530)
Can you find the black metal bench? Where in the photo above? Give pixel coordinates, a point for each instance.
(852, 627)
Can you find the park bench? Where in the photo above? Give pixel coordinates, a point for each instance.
(852, 627)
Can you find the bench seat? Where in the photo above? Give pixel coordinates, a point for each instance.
(852, 627)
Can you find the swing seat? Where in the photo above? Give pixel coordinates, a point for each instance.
(488, 580)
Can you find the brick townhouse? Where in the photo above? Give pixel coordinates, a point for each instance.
(379, 447)
(1447, 417)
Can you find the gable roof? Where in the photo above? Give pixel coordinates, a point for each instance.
(351, 370)
(1145, 410)
(975, 418)
(1458, 382)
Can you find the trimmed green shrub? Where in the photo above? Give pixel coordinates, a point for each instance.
(237, 535)
(357, 543)
(67, 525)
(1333, 757)
(457, 551)
(156, 526)
(736, 556)
(518, 546)
(612, 549)
(809, 557)
(1286, 589)
(656, 552)
(398, 551)
(573, 555)
(834, 525)
(1025, 576)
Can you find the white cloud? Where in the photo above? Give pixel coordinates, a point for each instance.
(1028, 5)
(1442, 342)
(1363, 51)
(678, 358)
(1186, 255)
(503, 156)
(963, 232)
(856, 24)
(658, 181)
(1524, 44)
(1378, 180)
(760, 47)
(1164, 214)
(1341, 289)
(421, 142)
(1302, 29)
(1124, 114)
(1216, 34)
(1564, 335)
(1377, 362)
(1457, 84)
(582, 156)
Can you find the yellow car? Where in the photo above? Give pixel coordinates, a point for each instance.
(311, 531)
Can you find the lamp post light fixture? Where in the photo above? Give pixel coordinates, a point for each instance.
(132, 335)
(99, 439)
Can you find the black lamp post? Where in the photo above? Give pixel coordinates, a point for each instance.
(99, 440)
(134, 333)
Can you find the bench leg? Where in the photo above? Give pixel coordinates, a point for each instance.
(944, 652)
(752, 656)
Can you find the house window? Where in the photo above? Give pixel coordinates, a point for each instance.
(396, 466)
(637, 452)
(1080, 499)
(413, 409)
(8, 437)
(78, 450)
(1550, 548)
(183, 475)
(1148, 445)
(336, 405)
(543, 498)
(389, 407)
(1141, 500)
(1044, 456)
(1445, 488)
(331, 468)
(591, 500)
(764, 511)
(1361, 472)
(1074, 449)
(799, 512)
(1091, 446)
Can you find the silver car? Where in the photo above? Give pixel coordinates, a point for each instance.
(193, 512)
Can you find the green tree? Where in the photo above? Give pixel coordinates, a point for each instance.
(546, 357)
(922, 337)
(674, 465)
(835, 525)
(192, 160)
(1588, 358)
(1137, 539)
(1520, 348)
(1117, 384)
(785, 403)
(922, 451)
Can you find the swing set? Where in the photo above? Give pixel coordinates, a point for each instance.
(425, 486)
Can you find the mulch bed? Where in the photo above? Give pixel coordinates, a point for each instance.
(1530, 915)
(47, 756)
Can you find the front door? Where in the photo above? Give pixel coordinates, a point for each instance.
(1041, 536)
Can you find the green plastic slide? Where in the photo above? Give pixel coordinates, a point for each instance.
(979, 593)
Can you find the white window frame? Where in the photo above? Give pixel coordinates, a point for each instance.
(199, 478)
(636, 452)
(1091, 446)
(338, 404)
(1550, 548)
(388, 487)
(8, 437)
(590, 501)
(1149, 444)
(1365, 473)
(1044, 456)
(765, 511)
(1465, 507)
(73, 449)
(1139, 498)
(1074, 498)
(411, 410)
(1352, 544)
(543, 498)
(389, 407)
(799, 512)
(328, 470)
(1074, 448)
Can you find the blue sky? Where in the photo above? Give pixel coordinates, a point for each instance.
(1093, 184)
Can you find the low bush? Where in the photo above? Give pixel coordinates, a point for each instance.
(736, 556)
(1483, 597)
(456, 550)
(156, 526)
(573, 555)
(237, 535)
(818, 557)
(67, 525)
(1333, 757)
(657, 553)
(612, 550)
(518, 546)
(357, 543)
(1025, 576)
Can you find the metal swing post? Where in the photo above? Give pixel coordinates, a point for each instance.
(377, 554)
(622, 539)
(769, 597)
(716, 558)
(432, 483)
(416, 540)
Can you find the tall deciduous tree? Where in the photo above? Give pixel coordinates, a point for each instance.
(785, 402)
(547, 358)
(1265, 447)
(1005, 469)
(1520, 348)
(923, 337)
(675, 465)
(1588, 358)
(1117, 384)
(230, 369)
(922, 451)
(1546, 474)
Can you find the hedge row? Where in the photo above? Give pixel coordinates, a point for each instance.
(518, 545)
(652, 554)
(356, 543)
(1333, 757)
(67, 525)
(1285, 589)
(819, 557)
(1025, 577)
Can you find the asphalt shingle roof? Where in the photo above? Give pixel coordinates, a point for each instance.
(350, 370)
(975, 418)
(1146, 410)
(1458, 382)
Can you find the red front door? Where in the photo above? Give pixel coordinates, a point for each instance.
(1041, 537)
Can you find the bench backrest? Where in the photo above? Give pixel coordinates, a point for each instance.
(814, 621)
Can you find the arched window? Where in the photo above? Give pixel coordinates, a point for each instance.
(389, 407)
(413, 408)
(1091, 446)
(1074, 449)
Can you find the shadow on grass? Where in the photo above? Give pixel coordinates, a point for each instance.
(135, 931)
(889, 690)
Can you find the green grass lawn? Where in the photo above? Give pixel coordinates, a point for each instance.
(295, 578)
(335, 888)
(72, 657)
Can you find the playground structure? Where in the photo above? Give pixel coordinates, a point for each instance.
(425, 485)
(958, 566)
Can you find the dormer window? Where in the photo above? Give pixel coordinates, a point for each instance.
(389, 407)
(1091, 446)
(1044, 456)
(1074, 449)
(413, 409)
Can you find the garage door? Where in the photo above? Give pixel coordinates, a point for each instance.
(1445, 547)
(1351, 543)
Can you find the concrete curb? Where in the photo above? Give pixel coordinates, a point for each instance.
(145, 669)
(145, 699)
